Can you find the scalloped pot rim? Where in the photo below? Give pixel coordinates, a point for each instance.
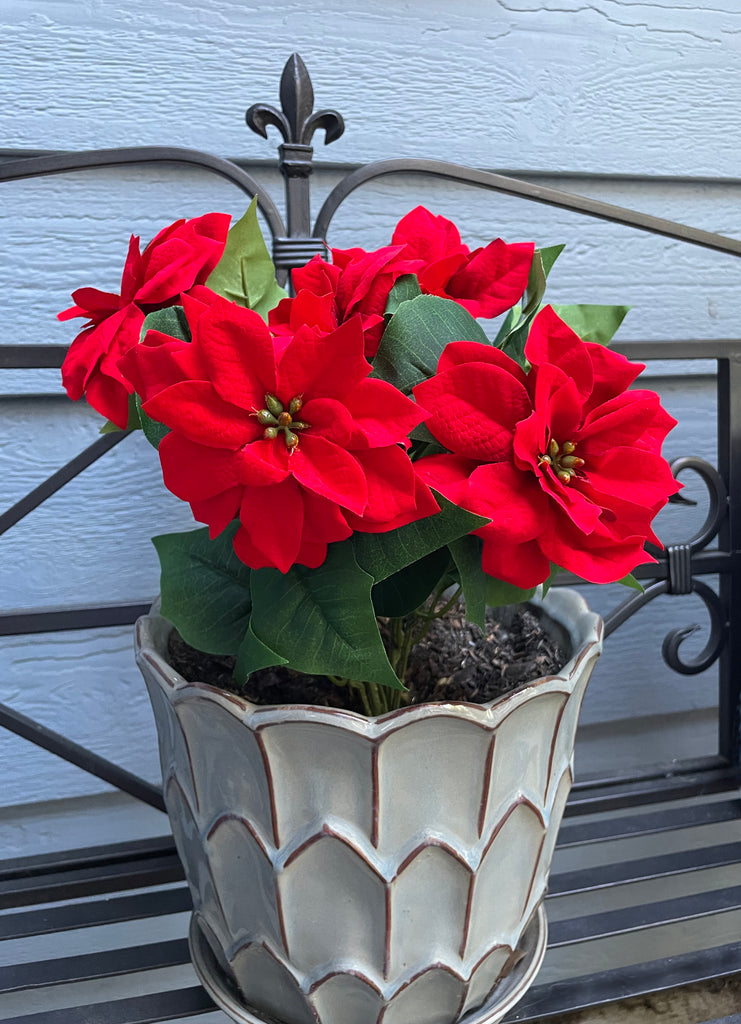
(565, 607)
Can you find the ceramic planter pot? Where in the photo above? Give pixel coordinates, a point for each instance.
(347, 870)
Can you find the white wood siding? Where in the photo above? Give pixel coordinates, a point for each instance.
(640, 101)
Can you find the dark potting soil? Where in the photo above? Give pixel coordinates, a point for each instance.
(455, 662)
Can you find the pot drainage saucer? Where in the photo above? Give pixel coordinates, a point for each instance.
(504, 997)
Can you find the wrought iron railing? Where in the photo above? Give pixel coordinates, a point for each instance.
(680, 567)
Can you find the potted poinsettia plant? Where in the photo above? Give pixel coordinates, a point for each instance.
(372, 466)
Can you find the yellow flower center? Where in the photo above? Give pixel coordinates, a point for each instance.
(561, 459)
(278, 420)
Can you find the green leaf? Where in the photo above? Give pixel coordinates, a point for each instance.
(405, 288)
(547, 584)
(170, 320)
(480, 590)
(499, 593)
(593, 323)
(321, 620)
(417, 334)
(633, 583)
(205, 589)
(253, 655)
(133, 422)
(383, 554)
(245, 273)
(407, 589)
(513, 341)
(549, 255)
(152, 429)
(466, 552)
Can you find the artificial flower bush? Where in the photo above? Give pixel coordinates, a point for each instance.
(360, 448)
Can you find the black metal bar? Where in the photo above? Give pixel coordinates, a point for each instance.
(75, 617)
(645, 915)
(729, 462)
(667, 820)
(149, 1009)
(94, 159)
(650, 789)
(86, 966)
(621, 983)
(523, 190)
(90, 856)
(57, 480)
(586, 879)
(89, 913)
(90, 881)
(96, 765)
(32, 357)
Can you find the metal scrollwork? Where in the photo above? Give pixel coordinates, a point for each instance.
(678, 561)
(296, 121)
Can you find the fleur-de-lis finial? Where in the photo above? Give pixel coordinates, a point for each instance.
(296, 122)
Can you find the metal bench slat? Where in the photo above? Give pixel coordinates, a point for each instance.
(149, 1009)
(90, 881)
(666, 820)
(112, 853)
(681, 862)
(86, 966)
(645, 915)
(94, 912)
(626, 982)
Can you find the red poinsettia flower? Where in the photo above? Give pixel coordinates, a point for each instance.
(563, 460)
(179, 257)
(486, 282)
(356, 282)
(291, 437)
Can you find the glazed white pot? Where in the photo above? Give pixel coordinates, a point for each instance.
(347, 870)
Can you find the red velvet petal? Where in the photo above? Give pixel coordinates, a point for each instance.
(109, 397)
(448, 474)
(599, 559)
(392, 490)
(133, 271)
(428, 237)
(382, 414)
(194, 408)
(274, 520)
(329, 471)
(640, 477)
(317, 276)
(329, 419)
(552, 341)
(457, 352)
(634, 418)
(510, 498)
(93, 304)
(434, 278)
(473, 409)
(181, 256)
(522, 565)
(220, 510)
(194, 472)
(323, 366)
(613, 374)
(159, 361)
(493, 279)
(119, 331)
(238, 350)
(324, 523)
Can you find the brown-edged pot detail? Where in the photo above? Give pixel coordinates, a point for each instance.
(379, 870)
